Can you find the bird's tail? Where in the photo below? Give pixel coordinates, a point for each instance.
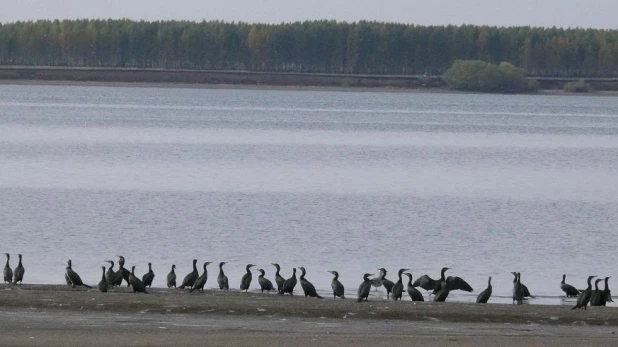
(87, 286)
(342, 296)
(574, 307)
(319, 297)
(191, 290)
(182, 286)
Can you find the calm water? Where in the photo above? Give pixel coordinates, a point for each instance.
(346, 181)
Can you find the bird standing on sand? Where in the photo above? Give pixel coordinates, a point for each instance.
(222, 278)
(398, 286)
(455, 283)
(124, 273)
(73, 277)
(171, 277)
(201, 281)
(191, 277)
(364, 288)
(338, 289)
(388, 284)
(113, 278)
(149, 276)
(524, 288)
(414, 293)
(8, 272)
(596, 296)
(137, 284)
(18, 274)
(265, 284)
(245, 281)
(103, 285)
(584, 297)
(278, 278)
(308, 288)
(484, 296)
(444, 291)
(568, 289)
(289, 284)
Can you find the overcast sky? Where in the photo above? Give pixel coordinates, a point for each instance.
(562, 13)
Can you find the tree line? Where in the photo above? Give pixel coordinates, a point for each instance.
(308, 47)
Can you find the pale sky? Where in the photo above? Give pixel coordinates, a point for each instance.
(561, 13)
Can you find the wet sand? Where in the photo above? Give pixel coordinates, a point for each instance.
(56, 315)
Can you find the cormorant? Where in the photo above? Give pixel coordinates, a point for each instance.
(445, 290)
(73, 277)
(398, 286)
(484, 296)
(388, 284)
(103, 282)
(171, 277)
(584, 296)
(190, 277)
(265, 284)
(526, 292)
(338, 289)
(519, 291)
(149, 276)
(245, 281)
(596, 296)
(124, 273)
(18, 274)
(289, 284)
(137, 285)
(308, 288)
(278, 278)
(456, 283)
(607, 294)
(364, 288)
(222, 278)
(568, 289)
(114, 279)
(414, 293)
(201, 281)
(8, 272)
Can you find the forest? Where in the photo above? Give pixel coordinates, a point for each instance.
(307, 47)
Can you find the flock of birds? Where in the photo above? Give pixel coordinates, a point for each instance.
(439, 288)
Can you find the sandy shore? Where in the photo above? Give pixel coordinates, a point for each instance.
(54, 315)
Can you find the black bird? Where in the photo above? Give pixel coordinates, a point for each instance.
(338, 289)
(398, 287)
(113, 278)
(18, 274)
(597, 295)
(519, 290)
(73, 277)
(289, 284)
(484, 296)
(364, 288)
(103, 282)
(568, 289)
(8, 272)
(308, 288)
(444, 291)
(455, 283)
(137, 285)
(124, 273)
(607, 294)
(190, 277)
(414, 293)
(278, 278)
(201, 281)
(149, 276)
(222, 278)
(171, 277)
(584, 296)
(526, 292)
(265, 284)
(388, 284)
(245, 281)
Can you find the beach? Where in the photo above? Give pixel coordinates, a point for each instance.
(57, 315)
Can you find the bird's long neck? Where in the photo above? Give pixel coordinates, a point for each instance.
(606, 285)
(7, 259)
(442, 273)
(336, 276)
(409, 281)
(302, 274)
(563, 279)
(19, 263)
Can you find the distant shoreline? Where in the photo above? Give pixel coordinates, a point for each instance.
(202, 79)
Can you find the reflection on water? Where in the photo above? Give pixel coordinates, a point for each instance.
(327, 180)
